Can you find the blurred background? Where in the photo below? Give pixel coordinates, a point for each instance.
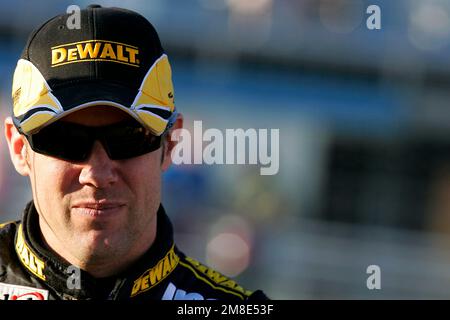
(364, 122)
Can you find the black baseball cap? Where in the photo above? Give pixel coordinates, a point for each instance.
(114, 59)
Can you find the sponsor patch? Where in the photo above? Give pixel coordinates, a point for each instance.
(15, 292)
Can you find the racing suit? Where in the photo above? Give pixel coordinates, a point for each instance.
(28, 270)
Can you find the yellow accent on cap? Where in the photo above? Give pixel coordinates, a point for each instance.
(155, 123)
(30, 90)
(157, 87)
(36, 121)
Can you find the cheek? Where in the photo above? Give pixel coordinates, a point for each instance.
(143, 176)
(51, 178)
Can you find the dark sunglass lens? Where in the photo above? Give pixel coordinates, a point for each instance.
(62, 140)
(129, 142)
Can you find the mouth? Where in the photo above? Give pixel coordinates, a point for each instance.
(100, 208)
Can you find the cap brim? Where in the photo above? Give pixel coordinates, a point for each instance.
(84, 95)
(87, 94)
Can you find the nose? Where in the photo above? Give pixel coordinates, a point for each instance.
(99, 170)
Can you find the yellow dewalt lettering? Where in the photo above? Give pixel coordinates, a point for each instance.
(58, 55)
(33, 265)
(98, 50)
(19, 243)
(156, 273)
(136, 286)
(72, 54)
(28, 258)
(24, 256)
(202, 268)
(216, 276)
(84, 51)
(40, 266)
(144, 284)
(120, 55)
(108, 52)
(230, 284)
(132, 53)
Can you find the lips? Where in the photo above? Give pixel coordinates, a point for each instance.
(98, 208)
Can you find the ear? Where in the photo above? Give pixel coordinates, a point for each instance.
(169, 144)
(17, 148)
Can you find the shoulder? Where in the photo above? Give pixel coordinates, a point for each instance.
(7, 253)
(7, 233)
(209, 283)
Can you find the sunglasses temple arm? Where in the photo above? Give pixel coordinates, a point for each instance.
(171, 121)
(17, 125)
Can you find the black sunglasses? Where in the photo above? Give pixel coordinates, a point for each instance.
(73, 142)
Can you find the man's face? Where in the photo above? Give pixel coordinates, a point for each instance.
(101, 208)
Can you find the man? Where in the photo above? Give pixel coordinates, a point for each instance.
(93, 112)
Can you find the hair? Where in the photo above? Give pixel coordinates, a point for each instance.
(164, 138)
(26, 152)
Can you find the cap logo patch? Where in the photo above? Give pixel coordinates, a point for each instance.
(95, 50)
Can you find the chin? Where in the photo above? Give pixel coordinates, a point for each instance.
(99, 243)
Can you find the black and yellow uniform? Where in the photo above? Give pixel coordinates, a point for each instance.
(29, 270)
